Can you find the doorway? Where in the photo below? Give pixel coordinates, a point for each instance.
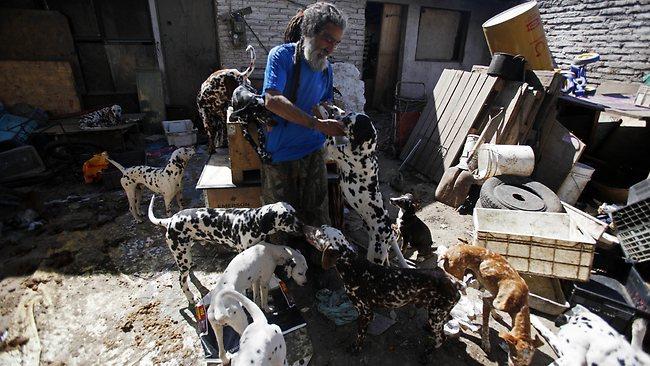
(382, 47)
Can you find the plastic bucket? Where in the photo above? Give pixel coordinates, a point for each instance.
(469, 144)
(575, 183)
(496, 160)
(519, 31)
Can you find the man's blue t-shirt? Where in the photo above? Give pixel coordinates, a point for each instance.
(289, 141)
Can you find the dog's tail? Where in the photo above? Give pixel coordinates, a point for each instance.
(152, 218)
(251, 66)
(117, 165)
(253, 310)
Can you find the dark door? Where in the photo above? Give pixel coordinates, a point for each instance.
(188, 35)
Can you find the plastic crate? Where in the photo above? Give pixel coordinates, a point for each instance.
(21, 162)
(633, 230)
(539, 243)
(180, 132)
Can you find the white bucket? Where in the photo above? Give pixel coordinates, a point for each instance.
(496, 160)
(469, 144)
(575, 183)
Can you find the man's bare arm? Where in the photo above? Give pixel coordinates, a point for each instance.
(283, 107)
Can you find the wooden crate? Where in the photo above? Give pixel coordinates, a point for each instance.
(243, 158)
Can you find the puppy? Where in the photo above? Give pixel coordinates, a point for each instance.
(261, 343)
(167, 181)
(236, 228)
(413, 231)
(370, 285)
(249, 107)
(252, 268)
(586, 339)
(509, 293)
(214, 99)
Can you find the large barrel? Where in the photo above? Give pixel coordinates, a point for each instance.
(519, 31)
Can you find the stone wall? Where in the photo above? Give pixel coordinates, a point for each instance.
(619, 30)
(268, 21)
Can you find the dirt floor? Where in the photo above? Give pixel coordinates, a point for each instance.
(91, 286)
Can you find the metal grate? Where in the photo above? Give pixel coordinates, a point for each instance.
(633, 230)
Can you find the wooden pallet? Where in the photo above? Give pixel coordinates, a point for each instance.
(460, 101)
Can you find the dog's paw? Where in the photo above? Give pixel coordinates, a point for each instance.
(225, 360)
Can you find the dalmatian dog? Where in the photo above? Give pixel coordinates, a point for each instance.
(252, 268)
(249, 107)
(105, 117)
(369, 285)
(214, 99)
(359, 169)
(167, 181)
(261, 343)
(586, 339)
(236, 228)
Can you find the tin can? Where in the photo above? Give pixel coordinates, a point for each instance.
(201, 318)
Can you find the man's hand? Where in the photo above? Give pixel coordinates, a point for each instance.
(330, 127)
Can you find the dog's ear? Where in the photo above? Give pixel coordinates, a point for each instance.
(509, 338)
(537, 342)
(330, 256)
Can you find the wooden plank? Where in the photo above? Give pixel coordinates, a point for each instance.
(469, 103)
(483, 99)
(432, 105)
(432, 124)
(48, 85)
(389, 43)
(448, 131)
(449, 127)
(511, 98)
(430, 142)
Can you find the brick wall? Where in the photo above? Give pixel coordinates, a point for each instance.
(269, 19)
(619, 30)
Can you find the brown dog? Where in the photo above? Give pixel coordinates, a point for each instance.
(214, 98)
(509, 293)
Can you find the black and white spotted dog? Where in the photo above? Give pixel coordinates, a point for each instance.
(586, 339)
(249, 107)
(359, 169)
(166, 181)
(236, 228)
(105, 117)
(370, 285)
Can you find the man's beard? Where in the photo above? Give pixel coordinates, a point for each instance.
(316, 58)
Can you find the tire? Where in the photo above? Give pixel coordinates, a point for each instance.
(518, 193)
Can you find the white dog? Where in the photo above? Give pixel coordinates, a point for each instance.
(251, 268)
(261, 343)
(586, 339)
(167, 181)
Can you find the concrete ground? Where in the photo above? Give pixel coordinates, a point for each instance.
(93, 287)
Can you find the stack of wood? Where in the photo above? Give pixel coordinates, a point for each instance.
(461, 103)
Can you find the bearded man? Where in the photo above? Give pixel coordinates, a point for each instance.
(298, 77)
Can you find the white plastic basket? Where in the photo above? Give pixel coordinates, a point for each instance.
(540, 243)
(180, 132)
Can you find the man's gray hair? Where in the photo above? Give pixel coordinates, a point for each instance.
(316, 17)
